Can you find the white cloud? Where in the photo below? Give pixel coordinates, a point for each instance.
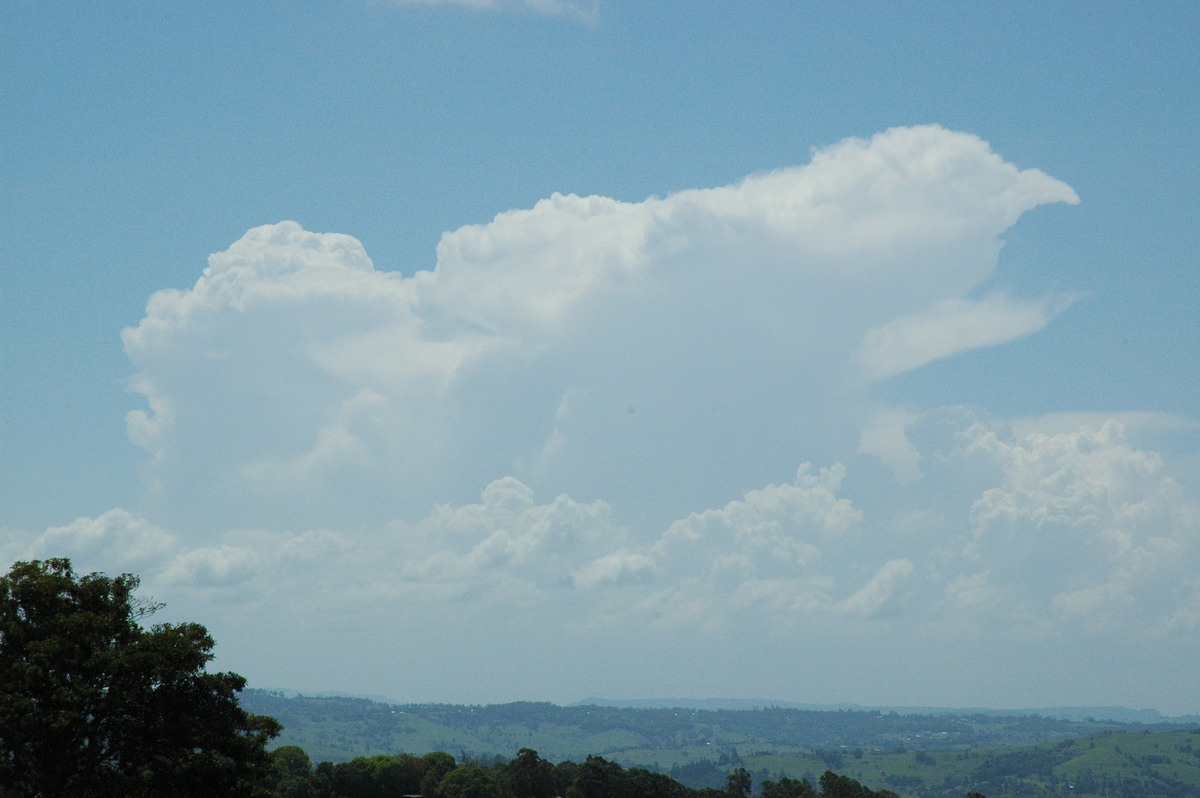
(507, 546)
(1036, 534)
(1082, 529)
(117, 541)
(1068, 537)
(883, 436)
(223, 566)
(584, 345)
(777, 553)
(1132, 423)
(619, 567)
(947, 328)
(881, 591)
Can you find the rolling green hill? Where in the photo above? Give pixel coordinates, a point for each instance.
(917, 756)
(1127, 764)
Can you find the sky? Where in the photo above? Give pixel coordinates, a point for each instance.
(492, 350)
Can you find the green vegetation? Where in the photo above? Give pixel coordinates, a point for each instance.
(92, 704)
(1118, 765)
(435, 775)
(915, 756)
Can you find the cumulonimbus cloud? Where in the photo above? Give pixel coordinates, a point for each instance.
(583, 345)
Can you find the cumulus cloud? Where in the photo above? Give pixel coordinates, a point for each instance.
(224, 566)
(1030, 538)
(585, 345)
(779, 552)
(116, 541)
(1087, 529)
(508, 545)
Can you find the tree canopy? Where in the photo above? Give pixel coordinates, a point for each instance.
(93, 703)
(525, 776)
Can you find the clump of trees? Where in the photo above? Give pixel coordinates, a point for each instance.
(93, 703)
(527, 775)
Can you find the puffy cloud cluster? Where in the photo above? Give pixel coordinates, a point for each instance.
(507, 546)
(1074, 532)
(781, 552)
(1083, 530)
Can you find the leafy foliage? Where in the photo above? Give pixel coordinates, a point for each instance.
(527, 776)
(92, 703)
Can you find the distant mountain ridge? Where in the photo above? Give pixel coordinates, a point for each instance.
(1116, 714)
(1110, 713)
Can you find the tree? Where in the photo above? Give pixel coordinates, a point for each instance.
(437, 765)
(93, 703)
(469, 781)
(738, 783)
(597, 777)
(837, 786)
(291, 773)
(788, 788)
(529, 776)
(647, 784)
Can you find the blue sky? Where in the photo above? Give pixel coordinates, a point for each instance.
(686, 330)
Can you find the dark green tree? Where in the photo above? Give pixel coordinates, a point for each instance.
(738, 783)
(92, 703)
(355, 779)
(834, 785)
(470, 781)
(291, 774)
(788, 788)
(381, 776)
(437, 765)
(565, 774)
(400, 774)
(597, 777)
(647, 784)
(529, 776)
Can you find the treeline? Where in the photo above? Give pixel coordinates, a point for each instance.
(528, 775)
